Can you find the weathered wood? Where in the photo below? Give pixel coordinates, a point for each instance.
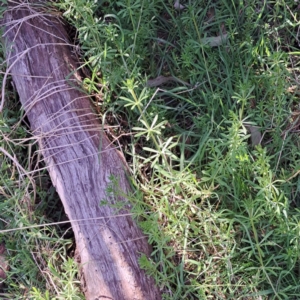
(78, 155)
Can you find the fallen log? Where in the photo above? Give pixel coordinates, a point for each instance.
(81, 162)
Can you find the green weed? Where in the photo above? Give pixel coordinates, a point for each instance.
(219, 206)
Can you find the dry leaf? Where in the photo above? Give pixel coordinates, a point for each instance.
(216, 40)
(255, 134)
(159, 80)
(178, 6)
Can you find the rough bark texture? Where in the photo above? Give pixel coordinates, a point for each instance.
(78, 155)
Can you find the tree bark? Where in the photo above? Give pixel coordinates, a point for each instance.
(78, 155)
